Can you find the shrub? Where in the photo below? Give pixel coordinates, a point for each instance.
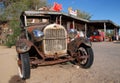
(12, 36)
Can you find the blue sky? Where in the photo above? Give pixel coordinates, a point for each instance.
(99, 9)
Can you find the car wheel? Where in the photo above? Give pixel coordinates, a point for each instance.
(24, 66)
(85, 57)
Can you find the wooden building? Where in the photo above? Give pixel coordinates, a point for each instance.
(70, 21)
(103, 25)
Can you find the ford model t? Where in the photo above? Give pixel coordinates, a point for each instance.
(49, 37)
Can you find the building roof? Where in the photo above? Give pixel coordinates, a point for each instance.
(100, 24)
(96, 23)
(35, 13)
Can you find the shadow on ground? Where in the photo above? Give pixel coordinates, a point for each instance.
(16, 79)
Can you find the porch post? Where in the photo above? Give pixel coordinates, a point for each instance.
(57, 20)
(115, 33)
(73, 24)
(104, 31)
(60, 20)
(85, 30)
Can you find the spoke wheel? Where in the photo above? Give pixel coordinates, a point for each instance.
(85, 57)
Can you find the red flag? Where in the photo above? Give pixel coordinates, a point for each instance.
(57, 7)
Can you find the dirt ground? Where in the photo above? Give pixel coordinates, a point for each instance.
(106, 68)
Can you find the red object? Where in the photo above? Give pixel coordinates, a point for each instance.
(97, 37)
(57, 7)
(71, 26)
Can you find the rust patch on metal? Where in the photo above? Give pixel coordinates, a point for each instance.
(42, 62)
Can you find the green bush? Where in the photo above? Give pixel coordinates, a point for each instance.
(11, 38)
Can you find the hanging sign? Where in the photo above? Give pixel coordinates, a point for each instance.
(72, 12)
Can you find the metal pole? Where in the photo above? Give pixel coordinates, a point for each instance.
(25, 20)
(25, 27)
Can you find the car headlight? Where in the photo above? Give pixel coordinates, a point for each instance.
(38, 33)
(72, 33)
(22, 47)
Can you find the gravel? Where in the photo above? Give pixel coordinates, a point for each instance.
(105, 69)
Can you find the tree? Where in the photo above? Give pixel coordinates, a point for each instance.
(12, 11)
(13, 8)
(36, 4)
(83, 15)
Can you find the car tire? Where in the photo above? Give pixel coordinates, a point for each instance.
(24, 66)
(89, 61)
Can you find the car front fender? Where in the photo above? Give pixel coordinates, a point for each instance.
(23, 45)
(75, 44)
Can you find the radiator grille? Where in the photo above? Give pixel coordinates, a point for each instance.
(55, 41)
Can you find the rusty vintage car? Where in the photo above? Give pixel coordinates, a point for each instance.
(45, 40)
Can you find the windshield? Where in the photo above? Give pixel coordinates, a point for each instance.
(96, 33)
(32, 20)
